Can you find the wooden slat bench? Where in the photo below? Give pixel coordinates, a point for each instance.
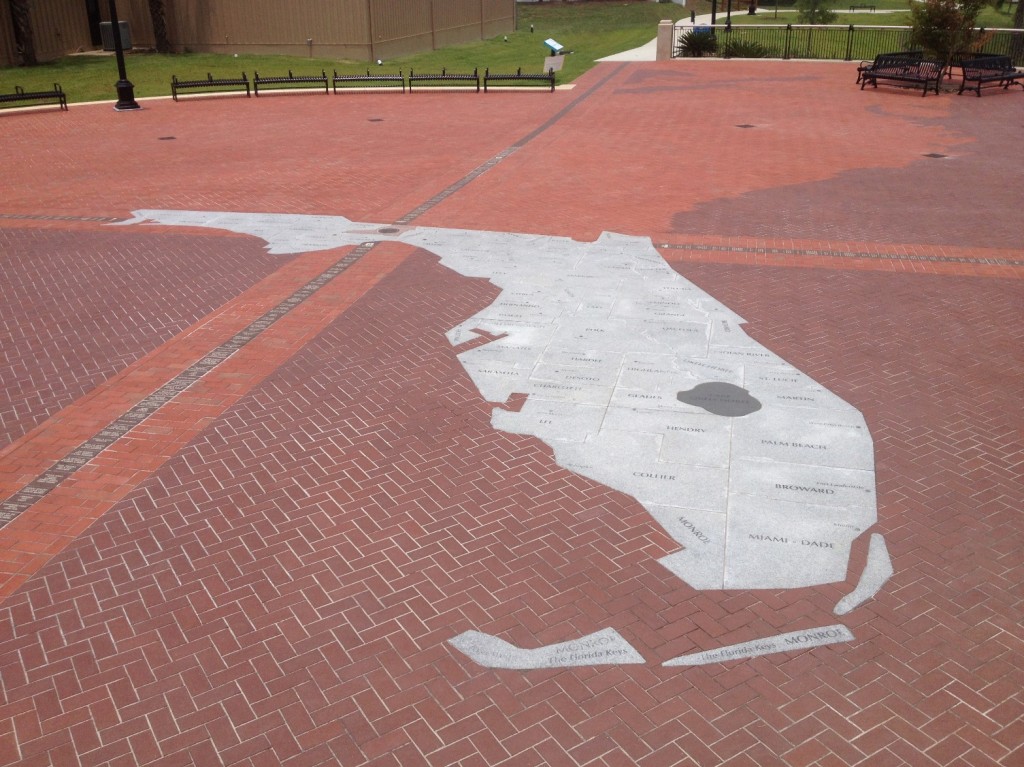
(210, 83)
(446, 79)
(351, 82)
(520, 79)
(991, 70)
(20, 95)
(291, 81)
(903, 72)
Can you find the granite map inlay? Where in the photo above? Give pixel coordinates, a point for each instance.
(794, 640)
(600, 648)
(639, 380)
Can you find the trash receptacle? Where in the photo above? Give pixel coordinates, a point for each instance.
(107, 35)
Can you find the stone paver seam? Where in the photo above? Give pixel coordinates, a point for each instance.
(20, 501)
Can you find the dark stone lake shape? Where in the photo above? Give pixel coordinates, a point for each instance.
(721, 398)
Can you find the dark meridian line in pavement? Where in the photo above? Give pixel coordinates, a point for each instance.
(15, 216)
(81, 455)
(444, 194)
(845, 254)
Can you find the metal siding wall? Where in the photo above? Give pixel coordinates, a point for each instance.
(456, 21)
(59, 27)
(136, 13)
(338, 28)
(8, 54)
(499, 17)
(400, 26)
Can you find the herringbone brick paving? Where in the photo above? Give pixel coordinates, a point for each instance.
(80, 306)
(280, 589)
(68, 509)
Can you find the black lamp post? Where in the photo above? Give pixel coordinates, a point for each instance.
(125, 90)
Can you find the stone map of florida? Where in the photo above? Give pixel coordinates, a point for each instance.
(639, 380)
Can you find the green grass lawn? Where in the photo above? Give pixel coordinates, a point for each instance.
(990, 18)
(590, 30)
(860, 18)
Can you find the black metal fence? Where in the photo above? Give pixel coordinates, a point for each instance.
(835, 41)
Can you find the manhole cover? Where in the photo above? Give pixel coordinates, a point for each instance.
(720, 398)
(388, 230)
(746, 126)
(376, 119)
(167, 138)
(935, 155)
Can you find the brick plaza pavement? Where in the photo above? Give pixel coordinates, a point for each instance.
(266, 569)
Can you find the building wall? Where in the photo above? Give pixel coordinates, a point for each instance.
(59, 27)
(352, 29)
(337, 28)
(499, 18)
(8, 56)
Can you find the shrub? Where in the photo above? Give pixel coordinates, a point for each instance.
(815, 12)
(746, 49)
(697, 43)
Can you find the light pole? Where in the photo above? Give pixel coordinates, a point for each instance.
(125, 90)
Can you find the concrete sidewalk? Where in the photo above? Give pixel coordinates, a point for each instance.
(648, 51)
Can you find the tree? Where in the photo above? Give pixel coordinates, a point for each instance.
(1018, 23)
(1017, 41)
(21, 18)
(815, 12)
(156, 13)
(944, 27)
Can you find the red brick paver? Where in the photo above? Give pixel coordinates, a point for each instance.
(268, 571)
(69, 509)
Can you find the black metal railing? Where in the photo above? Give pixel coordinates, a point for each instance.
(837, 41)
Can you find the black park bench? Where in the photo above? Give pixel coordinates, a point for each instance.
(20, 95)
(997, 70)
(907, 55)
(446, 79)
(368, 81)
(291, 81)
(957, 59)
(519, 78)
(902, 71)
(211, 83)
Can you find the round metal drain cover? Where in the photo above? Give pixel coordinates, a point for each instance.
(388, 230)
